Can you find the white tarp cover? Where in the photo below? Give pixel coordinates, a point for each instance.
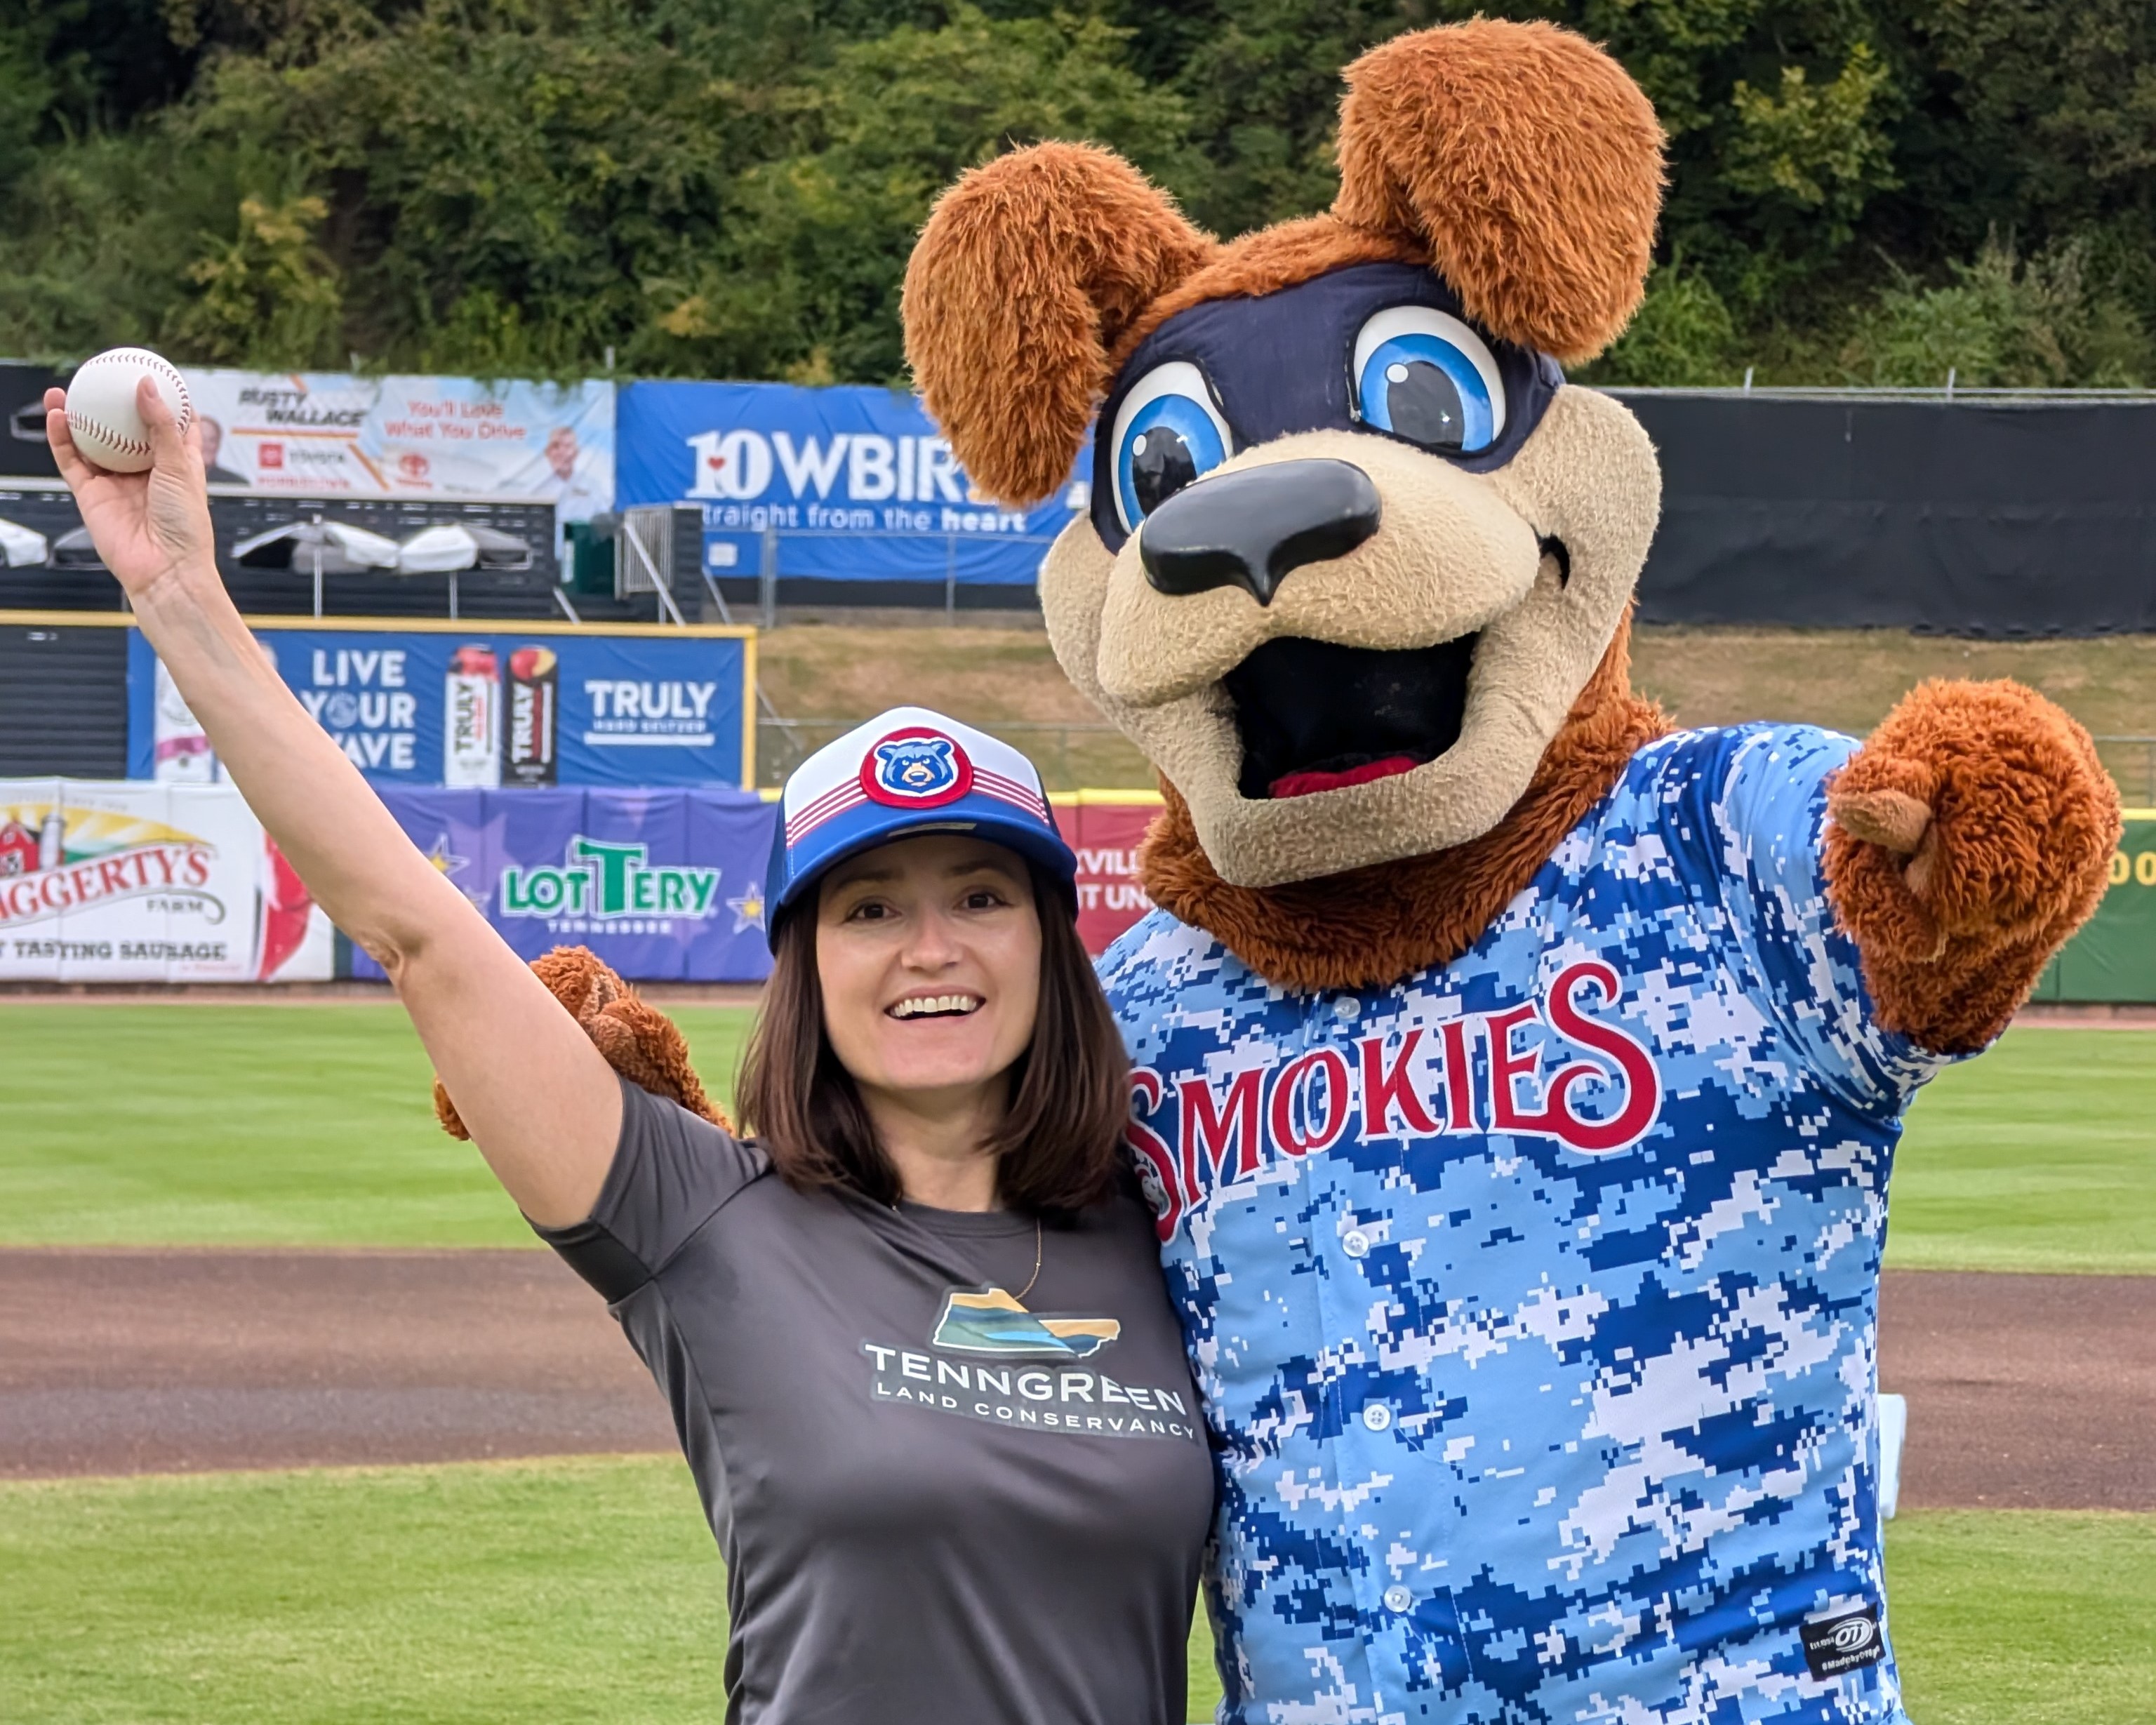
(437, 550)
(20, 548)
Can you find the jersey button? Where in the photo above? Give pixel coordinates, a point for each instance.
(1345, 1008)
(1377, 1416)
(1355, 1243)
(1398, 1599)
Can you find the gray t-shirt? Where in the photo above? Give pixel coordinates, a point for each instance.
(935, 1507)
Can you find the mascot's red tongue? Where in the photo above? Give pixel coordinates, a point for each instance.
(1301, 784)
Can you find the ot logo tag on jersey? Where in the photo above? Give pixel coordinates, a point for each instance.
(1833, 1645)
(916, 769)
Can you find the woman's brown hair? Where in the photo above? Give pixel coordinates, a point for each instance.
(1070, 1099)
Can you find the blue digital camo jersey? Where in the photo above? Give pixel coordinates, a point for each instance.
(1533, 1299)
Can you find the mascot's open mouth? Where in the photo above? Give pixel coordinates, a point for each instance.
(1315, 715)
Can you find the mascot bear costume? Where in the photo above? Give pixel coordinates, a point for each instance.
(1516, 1080)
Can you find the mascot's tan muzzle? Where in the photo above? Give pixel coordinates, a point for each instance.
(1342, 650)
(1331, 536)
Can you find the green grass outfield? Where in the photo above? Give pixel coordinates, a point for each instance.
(310, 1126)
(588, 1591)
(216, 1125)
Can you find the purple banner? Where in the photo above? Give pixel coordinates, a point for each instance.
(666, 886)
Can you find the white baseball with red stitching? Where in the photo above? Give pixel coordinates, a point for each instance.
(100, 406)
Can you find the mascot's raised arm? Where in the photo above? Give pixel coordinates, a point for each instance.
(1517, 1081)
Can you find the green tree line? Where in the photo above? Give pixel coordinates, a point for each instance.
(1860, 190)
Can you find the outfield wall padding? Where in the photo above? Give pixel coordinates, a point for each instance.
(1962, 518)
(2113, 958)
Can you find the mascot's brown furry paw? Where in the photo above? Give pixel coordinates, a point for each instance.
(1970, 837)
(639, 1042)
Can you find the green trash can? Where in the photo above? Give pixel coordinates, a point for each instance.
(591, 560)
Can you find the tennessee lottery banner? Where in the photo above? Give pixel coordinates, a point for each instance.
(666, 886)
(328, 431)
(525, 706)
(110, 882)
(857, 483)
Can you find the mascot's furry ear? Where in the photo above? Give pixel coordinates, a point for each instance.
(1028, 270)
(1527, 162)
(639, 1041)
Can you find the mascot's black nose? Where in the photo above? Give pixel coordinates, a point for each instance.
(1251, 528)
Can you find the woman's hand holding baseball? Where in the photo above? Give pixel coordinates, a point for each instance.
(146, 526)
(542, 1103)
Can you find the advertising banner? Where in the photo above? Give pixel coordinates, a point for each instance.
(666, 886)
(1104, 828)
(525, 706)
(856, 482)
(112, 882)
(324, 433)
(2113, 956)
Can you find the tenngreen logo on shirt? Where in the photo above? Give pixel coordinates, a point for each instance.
(1044, 1396)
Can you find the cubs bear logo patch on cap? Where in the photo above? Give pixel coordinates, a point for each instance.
(910, 770)
(917, 768)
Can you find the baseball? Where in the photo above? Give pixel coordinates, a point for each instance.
(100, 406)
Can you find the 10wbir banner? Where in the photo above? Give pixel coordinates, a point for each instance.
(848, 483)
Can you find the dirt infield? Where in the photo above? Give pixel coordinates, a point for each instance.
(2024, 1391)
(144, 1361)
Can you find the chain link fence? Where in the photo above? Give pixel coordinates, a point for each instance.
(942, 558)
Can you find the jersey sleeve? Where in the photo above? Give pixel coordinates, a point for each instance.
(1756, 799)
(672, 1172)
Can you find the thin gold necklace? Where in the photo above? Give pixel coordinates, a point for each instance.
(1020, 1295)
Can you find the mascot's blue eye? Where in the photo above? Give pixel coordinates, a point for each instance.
(1168, 432)
(1428, 377)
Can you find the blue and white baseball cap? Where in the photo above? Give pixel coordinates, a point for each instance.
(906, 772)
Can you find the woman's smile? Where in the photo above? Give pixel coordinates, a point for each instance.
(935, 1006)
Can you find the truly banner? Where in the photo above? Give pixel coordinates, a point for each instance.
(525, 706)
(323, 433)
(665, 885)
(855, 483)
(112, 882)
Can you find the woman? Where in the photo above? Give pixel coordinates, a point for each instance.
(914, 1336)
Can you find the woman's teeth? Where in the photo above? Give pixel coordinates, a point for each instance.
(936, 1005)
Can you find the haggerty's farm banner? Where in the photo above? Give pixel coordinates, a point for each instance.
(450, 704)
(106, 882)
(325, 433)
(854, 483)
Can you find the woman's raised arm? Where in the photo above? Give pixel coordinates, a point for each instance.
(540, 1102)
